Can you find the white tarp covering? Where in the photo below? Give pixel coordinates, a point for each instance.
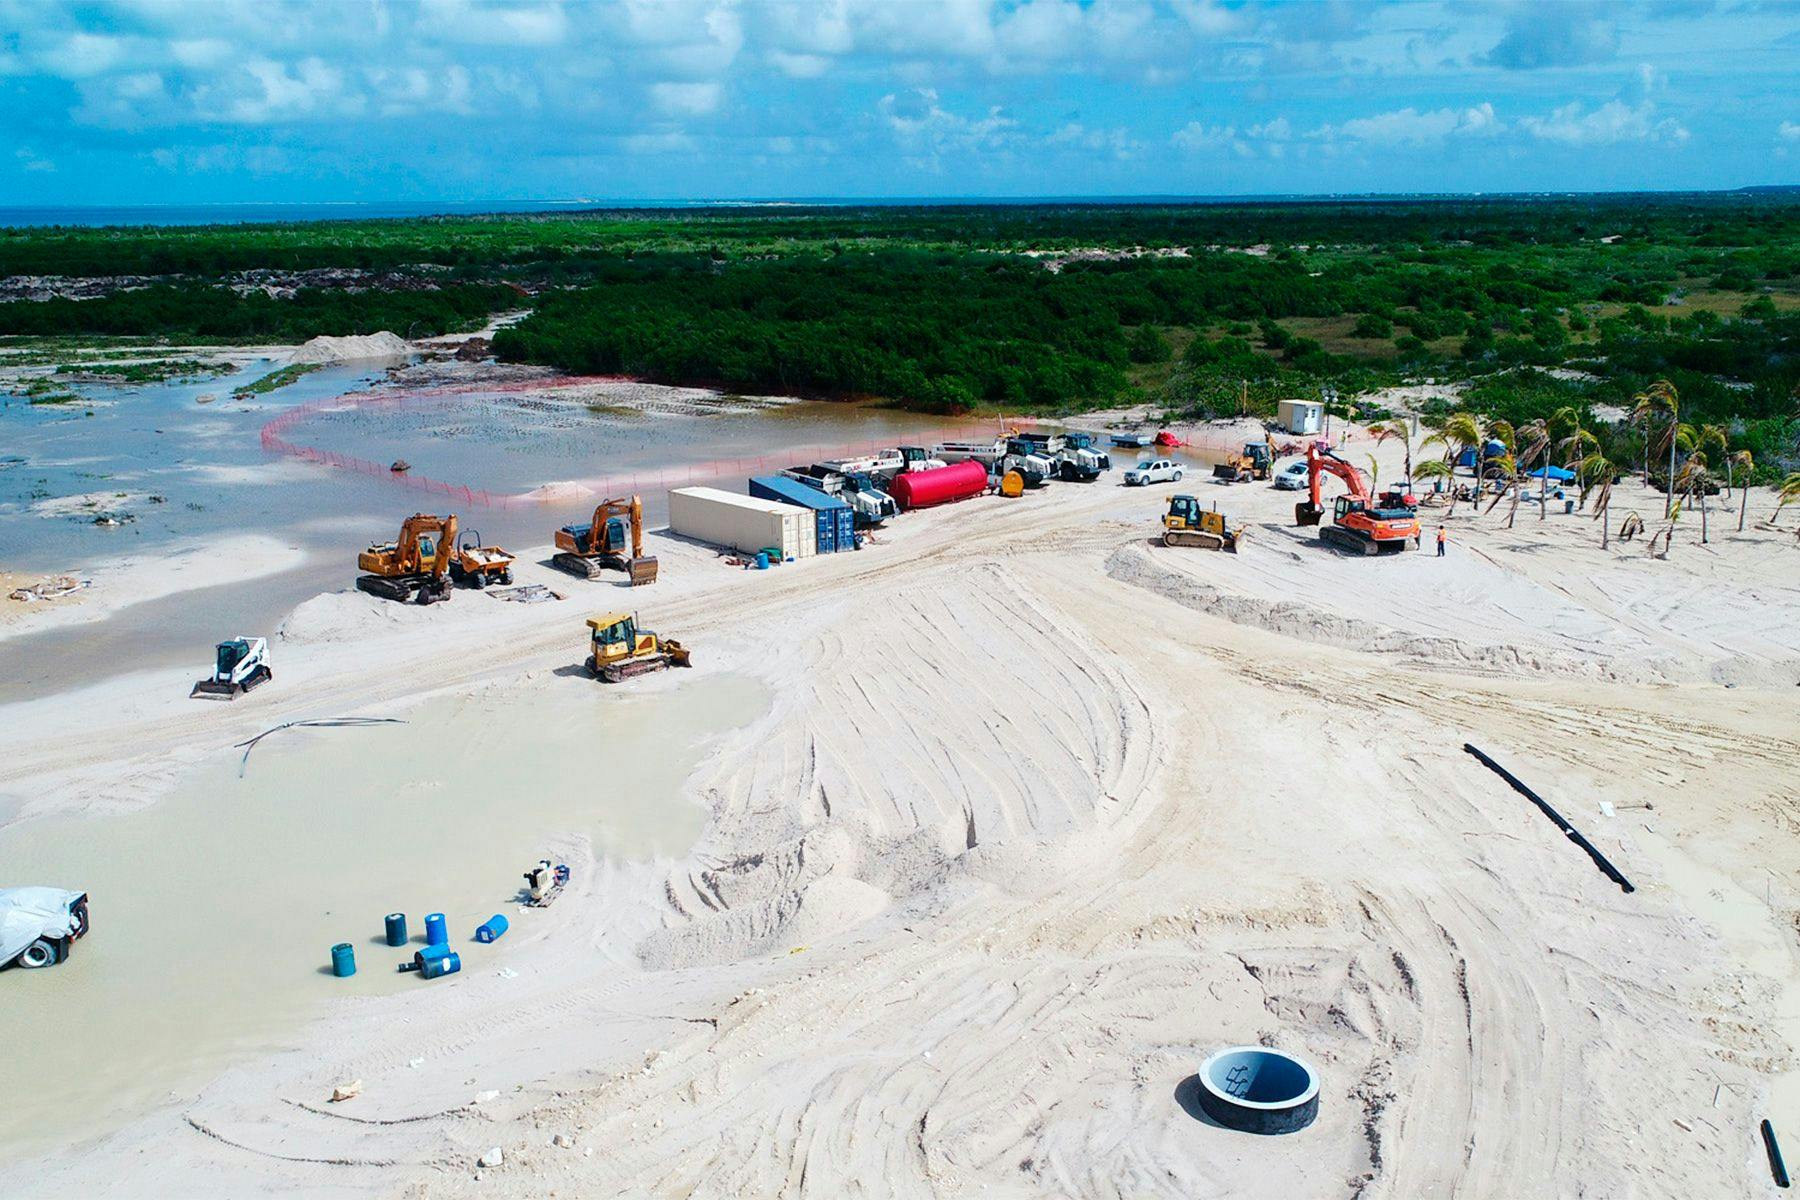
(29, 913)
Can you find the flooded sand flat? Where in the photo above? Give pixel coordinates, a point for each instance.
(215, 910)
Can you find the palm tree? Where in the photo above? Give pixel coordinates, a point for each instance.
(1433, 468)
(1659, 405)
(1742, 459)
(1576, 448)
(1597, 475)
(1786, 494)
(1711, 439)
(1397, 428)
(1458, 432)
(1695, 477)
(1534, 441)
(1505, 467)
(1374, 474)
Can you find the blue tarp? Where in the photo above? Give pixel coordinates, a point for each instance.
(1492, 450)
(1557, 474)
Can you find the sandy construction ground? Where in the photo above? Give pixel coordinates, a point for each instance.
(1040, 813)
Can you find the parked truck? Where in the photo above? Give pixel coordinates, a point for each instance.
(867, 499)
(1000, 456)
(1074, 454)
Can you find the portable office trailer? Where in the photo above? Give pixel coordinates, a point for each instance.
(1300, 416)
(836, 527)
(742, 523)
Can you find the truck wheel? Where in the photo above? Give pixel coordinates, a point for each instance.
(41, 953)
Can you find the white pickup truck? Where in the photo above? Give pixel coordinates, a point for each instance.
(1161, 470)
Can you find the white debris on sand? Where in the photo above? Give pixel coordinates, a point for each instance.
(369, 347)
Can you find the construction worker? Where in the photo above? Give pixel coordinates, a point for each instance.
(1442, 538)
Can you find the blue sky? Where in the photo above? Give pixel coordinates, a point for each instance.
(209, 101)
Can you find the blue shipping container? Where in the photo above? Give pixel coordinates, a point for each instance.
(836, 521)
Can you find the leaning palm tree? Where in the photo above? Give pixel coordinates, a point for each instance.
(1659, 407)
(1712, 440)
(1506, 468)
(1534, 443)
(1785, 494)
(1400, 428)
(1696, 478)
(1597, 476)
(1458, 432)
(1433, 468)
(1575, 450)
(1747, 463)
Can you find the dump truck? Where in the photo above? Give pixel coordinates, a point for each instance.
(586, 550)
(619, 649)
(1187, 524)
(477, 565)
(1074, 454)
(861, 490)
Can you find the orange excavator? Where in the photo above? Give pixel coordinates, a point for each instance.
(584, 549)
(1360, 522)
(415, 566)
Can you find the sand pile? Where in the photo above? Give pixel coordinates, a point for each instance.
(357, 348)
(557, 491)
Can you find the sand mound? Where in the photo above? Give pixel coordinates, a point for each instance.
(339, 617)
(358, 348)
(558, 490)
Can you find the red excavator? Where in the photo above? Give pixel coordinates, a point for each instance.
(584, 549)
(1359, 522)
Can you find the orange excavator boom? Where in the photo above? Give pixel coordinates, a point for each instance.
(1359, 521)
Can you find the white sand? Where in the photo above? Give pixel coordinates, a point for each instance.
(122, 582)
(1041, 815)
(369, 347)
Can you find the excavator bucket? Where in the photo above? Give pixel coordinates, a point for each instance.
(1306, 513)
(642, 570)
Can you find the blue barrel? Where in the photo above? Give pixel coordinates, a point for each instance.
(435, 962)
(762, 561)
(490, 929)
(436, 932)
(343, 960)
(396, 929)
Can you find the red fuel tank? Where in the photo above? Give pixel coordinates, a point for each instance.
(940, 485)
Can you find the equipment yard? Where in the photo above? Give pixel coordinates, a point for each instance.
(947, 863)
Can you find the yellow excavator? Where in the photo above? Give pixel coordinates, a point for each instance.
(425, 559)
(621, 649)
(585, 549)
(1187, 524)
(414, 566)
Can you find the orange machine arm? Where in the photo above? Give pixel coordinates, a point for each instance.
(605, 510)
(1322, 462)
(407, 549)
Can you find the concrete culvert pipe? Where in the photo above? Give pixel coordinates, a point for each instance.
(1259, 1090)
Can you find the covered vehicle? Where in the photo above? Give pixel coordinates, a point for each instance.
(39, 924)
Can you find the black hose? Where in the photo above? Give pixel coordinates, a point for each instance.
(317, 723)
(1777, 1168)
(1573, 834)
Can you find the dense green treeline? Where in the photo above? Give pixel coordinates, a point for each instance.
(220, 314)
(1754, 237)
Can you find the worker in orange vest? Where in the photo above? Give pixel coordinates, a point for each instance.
(1442, 538)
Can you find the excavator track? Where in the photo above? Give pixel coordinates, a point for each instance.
(387, 589)
(578, 566)
(1344, 539)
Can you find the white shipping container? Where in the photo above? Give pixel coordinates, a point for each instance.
(742, 523)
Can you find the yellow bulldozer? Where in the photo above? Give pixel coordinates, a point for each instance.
(584, 549)
(1187, 524)
(620, 649)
